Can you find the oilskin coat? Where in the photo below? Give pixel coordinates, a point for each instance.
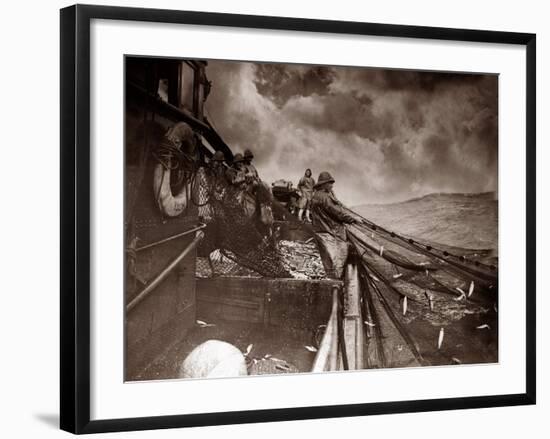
(329, 219)
(305, 186)
(237, 179)
(329, 215)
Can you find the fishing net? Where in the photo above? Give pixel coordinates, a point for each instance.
(401, 278)
(239, 236)
(217, 264)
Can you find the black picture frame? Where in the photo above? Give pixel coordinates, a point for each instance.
(75, 217)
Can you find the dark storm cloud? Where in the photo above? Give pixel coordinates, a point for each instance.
(280, 82)
(345, 114)
(413, 81)
(386, 135)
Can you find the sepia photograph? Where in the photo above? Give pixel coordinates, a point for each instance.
(295, 218)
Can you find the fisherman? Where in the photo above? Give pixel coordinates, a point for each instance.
(329, 220)
(305, 188)
(258, 191)
(251, 172)
(216, 164)
(217, 172)
(236, 175)
(252, 179)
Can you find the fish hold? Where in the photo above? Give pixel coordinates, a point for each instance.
(213, 359)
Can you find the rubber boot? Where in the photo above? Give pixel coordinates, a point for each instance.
(300, 214)
(308, 218)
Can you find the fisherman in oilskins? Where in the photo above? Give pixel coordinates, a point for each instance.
(305, 187)
(329, 220)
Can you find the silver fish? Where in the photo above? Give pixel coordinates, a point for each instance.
(440, 339)
(282, 367)
(430, 300)
(471, 290)
(459, 298)
(462, 294)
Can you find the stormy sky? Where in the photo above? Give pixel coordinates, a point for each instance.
(384, 135)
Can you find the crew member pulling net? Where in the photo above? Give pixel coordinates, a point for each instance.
(386, 274)
(389, 273)
(237, 208)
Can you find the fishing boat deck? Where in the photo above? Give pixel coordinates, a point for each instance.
(279, 320)
(278, 317)
(273, 350)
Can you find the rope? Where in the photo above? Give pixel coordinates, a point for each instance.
(399, 326)
(171, 157)
(426, 249)
(370, 309)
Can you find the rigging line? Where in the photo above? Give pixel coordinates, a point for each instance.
(399, 293)
(400, 328)
(449, 270)
(464, 276)
(455, 293)
(446, 289)
(395, 290)
(370, 311)
(464, 269)
(482, 277)
(390, 256)
(415, 245)
(383, 279)
(389, 285)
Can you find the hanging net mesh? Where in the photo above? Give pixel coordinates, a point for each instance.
(403, 264)
(239, 236)
(401, 278)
